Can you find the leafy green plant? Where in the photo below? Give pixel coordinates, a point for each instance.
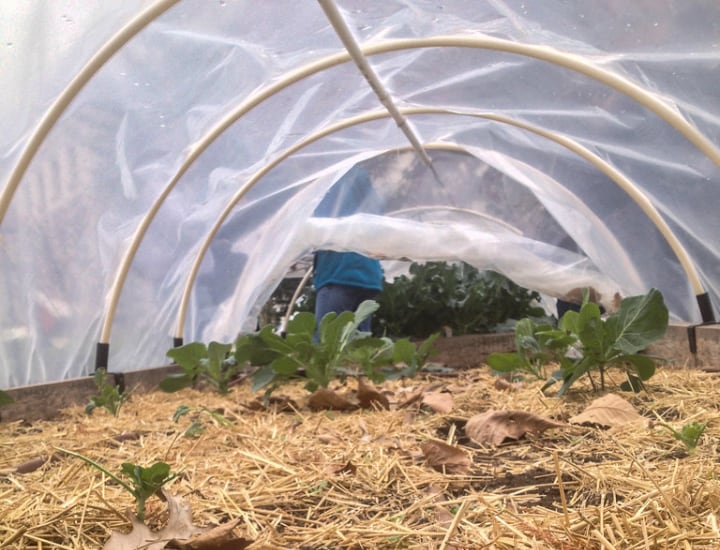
(689, 434)
(197, 427)
(109, 395)
(339, 349)
(436, 296)
(536, 345)
(413, 357)
(144, 482)
(615, 341)
(5, 398)
(584, 342)
(212, 363)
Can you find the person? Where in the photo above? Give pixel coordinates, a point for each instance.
(343, 280)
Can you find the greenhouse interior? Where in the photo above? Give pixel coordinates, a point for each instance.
(162, 161)
(167, 167)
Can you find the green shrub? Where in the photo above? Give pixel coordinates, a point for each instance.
(437, 296)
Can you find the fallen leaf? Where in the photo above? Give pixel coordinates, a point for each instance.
(347, 468)
(35, 463)
(179, 526)
(443, 516)
(493, 427)
(505, 385)
(179, 533)
(370, 398)
(324, 399)
(441, 402)
(444, 457)
(217, 538)
(276, 402)
(608, 411)
(414, 397)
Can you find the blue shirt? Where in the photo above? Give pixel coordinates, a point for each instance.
(346, 268)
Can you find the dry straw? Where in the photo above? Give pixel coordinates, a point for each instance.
(314, 480)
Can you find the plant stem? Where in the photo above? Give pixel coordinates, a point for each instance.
(101, 468)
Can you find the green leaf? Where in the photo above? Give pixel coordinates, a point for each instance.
(216, 352)
(175, 382)
(632, 384)
(285, 366)
(639, 321)
(262, 377)
(195, 429)
(644, 365)
(181, 411)
(505, 362)
(302, 323)
(403, 351)
(189, 356)
(250, 348)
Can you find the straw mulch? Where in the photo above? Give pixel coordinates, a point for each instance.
(359, 479)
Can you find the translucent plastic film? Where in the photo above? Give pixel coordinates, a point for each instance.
(250, 112)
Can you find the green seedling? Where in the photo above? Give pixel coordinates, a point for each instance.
(536, 345)
(197, 427)
(212, 363)
(339, 350)
(689, 435)
(144, 482)
(109, 395)
(615, 341)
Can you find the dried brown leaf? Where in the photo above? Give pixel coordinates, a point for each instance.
(278, 403)
(324, 399)
(444, 457)
(179, 526)
(370, 398)
(441, 402)
(179, 533)
(493, 427)
(608, 411)
(506, 385)
(217, 538)
(347, 468)
(414, 397)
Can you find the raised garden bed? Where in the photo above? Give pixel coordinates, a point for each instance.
(291, 477)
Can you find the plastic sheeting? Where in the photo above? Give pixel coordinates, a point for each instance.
(499, 196)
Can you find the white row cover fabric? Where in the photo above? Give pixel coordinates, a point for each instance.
(498, 196)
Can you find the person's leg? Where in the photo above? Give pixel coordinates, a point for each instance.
(339, 298)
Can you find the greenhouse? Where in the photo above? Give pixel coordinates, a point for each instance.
(165, 166)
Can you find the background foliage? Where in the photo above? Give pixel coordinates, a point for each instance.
(442, 297)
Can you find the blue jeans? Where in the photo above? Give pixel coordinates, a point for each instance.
(339, 298)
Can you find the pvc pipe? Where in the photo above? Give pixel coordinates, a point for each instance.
(53, 114)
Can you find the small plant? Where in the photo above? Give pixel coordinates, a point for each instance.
(144, 482)
(5, 398)
(415, 358)
(584, 343)
(109, 395)
(339, 350)
(615, 341)
(689, 434)
(197, 427)
(212, 363)
(536, 345)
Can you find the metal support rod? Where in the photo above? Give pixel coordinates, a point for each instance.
(343, 31)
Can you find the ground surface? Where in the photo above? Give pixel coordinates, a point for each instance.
(297, 478)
